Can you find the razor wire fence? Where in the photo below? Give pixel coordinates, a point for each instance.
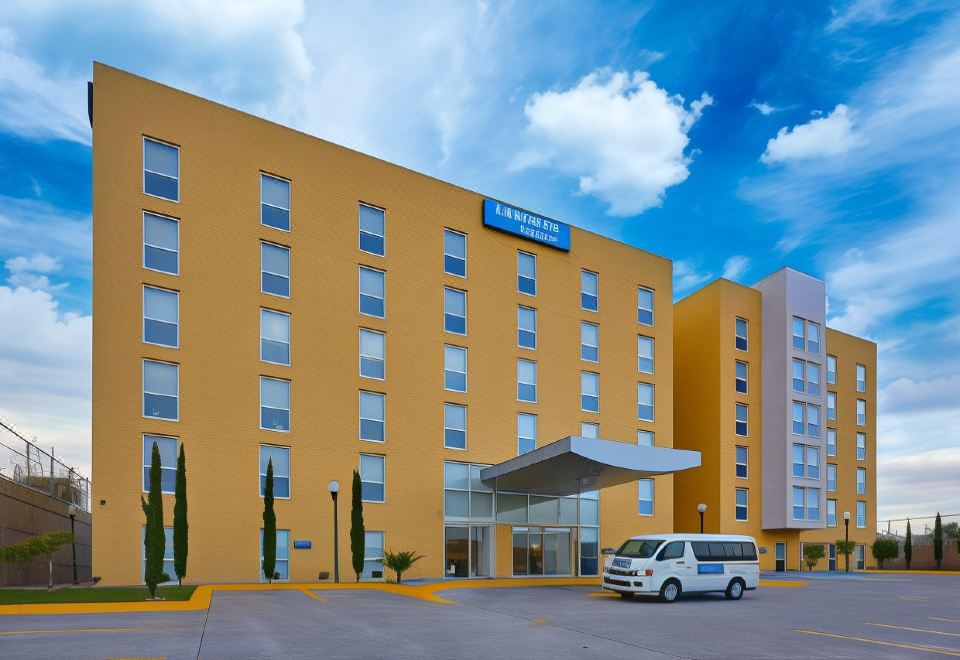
(25, 463)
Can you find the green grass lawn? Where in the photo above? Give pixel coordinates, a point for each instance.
(90, 595)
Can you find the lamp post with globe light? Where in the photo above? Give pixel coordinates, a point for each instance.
(334, 488)
(702, 508)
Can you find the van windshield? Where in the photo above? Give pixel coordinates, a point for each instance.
(639, 548)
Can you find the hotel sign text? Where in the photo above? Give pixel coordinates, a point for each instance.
(526, 225)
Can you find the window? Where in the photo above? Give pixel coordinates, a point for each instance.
(725, 551)
(161, 243)
(167, 554)
(589, 341)
(813, 420)
(373, 351)
(161, 170)
(831, 442)
(831, 513)
(861, 446)
(813, 462)
(861, 515)
(282, 565)
(274, 337)
(861, 412)
(274, 404)
(797, 503)
(861, 378)
(161, 317)
(589, 430)
(861, 481)
(741, 419)
(741, 506)
(455, 311)
(831, 406)
(644, 354)
(526, 433)
(798, 465)
(645, 402)
(831, 370)
(740, 329)
(644, 306)
(813, 504)
(589, 391)
(372, 292)
(373, 478)
(645, 438)
(646, 497)
(279, 458)
(798, 418)
(168, 461)
(673, 550)
(455, 368)
(806, 335)
(372, 222)
(527, 381)
(741, 377)
(799, 333)
(797, 372)
(372, 416)
(527, 273)
(372, 556)
(806, 503)
(274, 202)
(454, 253)
(813, 337)
(454, 426)
(589, 290)
(275, 270)
(742, 454)
(813, 378)
(831, 477)
(526, 327)
(161, 390)
(465, 496)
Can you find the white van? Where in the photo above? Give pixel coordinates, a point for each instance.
(671, 564)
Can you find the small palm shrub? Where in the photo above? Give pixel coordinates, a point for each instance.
(400, 562)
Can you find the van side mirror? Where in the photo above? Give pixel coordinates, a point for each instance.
(762, 550)
(608, 551)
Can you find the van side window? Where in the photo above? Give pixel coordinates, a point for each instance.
(727, 551)
(672, 550)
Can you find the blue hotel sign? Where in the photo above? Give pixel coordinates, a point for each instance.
(516, 221)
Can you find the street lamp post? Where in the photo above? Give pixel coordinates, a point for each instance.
(334, 488)
(846, 539)
(73, 542)
(702, 509)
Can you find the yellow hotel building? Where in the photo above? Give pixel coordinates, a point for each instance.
(263, 294)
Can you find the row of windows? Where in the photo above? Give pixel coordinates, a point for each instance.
(806, 335)
(832, 373)
(861, 514)
(861, 444)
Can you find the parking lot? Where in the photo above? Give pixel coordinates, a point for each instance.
(861, 616)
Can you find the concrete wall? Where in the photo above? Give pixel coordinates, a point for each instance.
(25, 512)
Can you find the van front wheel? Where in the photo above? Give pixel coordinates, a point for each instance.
(735, 589)
(670, 591)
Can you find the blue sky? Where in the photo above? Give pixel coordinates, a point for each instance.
(734, 138)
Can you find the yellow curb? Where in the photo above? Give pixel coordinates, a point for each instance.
(902, 571)
(784, 584)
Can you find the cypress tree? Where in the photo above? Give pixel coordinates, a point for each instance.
(154, 540)
(180, 527)
(938, 541)
(357, 547)
(269, 527)
(908, 547)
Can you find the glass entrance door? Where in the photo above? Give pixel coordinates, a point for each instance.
(542, 551)
(781, 555)
(832, 558)
(467, 550)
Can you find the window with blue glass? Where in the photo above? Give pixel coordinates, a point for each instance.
(813, 503)
(798, 509)
(646, 497)
(373, 416)
(645, 402)
(741, 377)
(742, 455)
(861, 514)
(526, 327)
(645, 438)
(373, 351)
(831, 513)
(797, 418)
(526, 433)
(274, 404)
(167, 554)
(275, 270)
(644, 354)
(741, 328)
(527, 273)
(167, 447)
(372, 229)
(455, 311)
(454, 253)
(454, 426)
(589, 550)
(161, 390)
(798, 461)
(161, 243)
(831, 477)
(274, 202)
(589, 290)
(742, 415)
(373, 478)
(372, 292)
(644, 306)
(527, 381)
(589, 341)
(372, 556)
(861, 446)
(274, 337)
(282, 564)
(589, 391)
(161, 317)
(455, 368)
(741, 505)
(161, 169)
(813, 420)
(279, 459)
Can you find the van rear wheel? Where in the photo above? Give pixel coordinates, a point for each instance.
(670, 591)
(735, 589)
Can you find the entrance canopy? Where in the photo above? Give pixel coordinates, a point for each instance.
(575, 464)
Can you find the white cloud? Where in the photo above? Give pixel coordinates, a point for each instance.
(624, 136)
(32, 272)
(687, 277)
(735, 267)
(45, 373)
(917, 483)
(762, 107)
(832, 135)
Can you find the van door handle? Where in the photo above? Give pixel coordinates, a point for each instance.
(680, 562)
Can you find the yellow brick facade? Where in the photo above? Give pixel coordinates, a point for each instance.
(222, 153)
